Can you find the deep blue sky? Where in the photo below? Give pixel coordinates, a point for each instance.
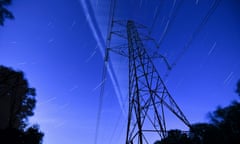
(59, 45)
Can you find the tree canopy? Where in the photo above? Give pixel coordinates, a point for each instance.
(4, 12)
(17, 102)
(17, 97)
(223, 128)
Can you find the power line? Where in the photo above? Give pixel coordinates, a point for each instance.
(156, 16)
(115, 128)
(118, 122)
(194, 34)
(104, 72)
(100, 100)
(171, 18)
(198, 29)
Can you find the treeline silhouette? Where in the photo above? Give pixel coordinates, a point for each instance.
(223, 128)
(17, 136)
(17, 102)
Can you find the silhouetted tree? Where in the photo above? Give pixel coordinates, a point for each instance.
(17, 101)
(15, 136)
(5, 13)
(33, 135)
(228, 120)
(224, 128)
(175, 137)
(204, 133)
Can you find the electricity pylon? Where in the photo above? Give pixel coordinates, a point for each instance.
(148, 95)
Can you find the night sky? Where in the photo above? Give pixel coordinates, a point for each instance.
(59, 45)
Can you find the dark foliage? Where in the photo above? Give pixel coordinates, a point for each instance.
(175, 137)
(228, 120)
(204, 133)
(224, 128)
(17, 102)
(15, 136)
(21, 100)
(5, 13)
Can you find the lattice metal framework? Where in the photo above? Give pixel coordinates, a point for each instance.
(148, 95)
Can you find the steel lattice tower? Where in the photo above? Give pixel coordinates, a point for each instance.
(148, 95)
